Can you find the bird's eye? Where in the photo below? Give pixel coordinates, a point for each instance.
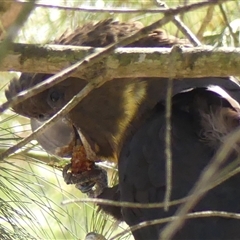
(55, 96)
(41, 117)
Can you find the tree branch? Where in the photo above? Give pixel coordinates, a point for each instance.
(126, 62)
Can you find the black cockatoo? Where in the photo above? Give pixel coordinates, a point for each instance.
(124, 121)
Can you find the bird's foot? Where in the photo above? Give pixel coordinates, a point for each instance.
(92, 182)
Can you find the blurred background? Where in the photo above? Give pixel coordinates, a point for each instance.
(31, 184)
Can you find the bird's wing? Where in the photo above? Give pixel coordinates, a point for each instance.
(143, 179)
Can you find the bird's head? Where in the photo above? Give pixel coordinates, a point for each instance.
(58, 139)
(34, 107)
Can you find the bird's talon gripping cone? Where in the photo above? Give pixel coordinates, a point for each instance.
(86, 176)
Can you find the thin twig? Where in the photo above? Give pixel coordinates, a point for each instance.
(124, 204)
(102, 10)
(202, 214)
(235, 40)
(222, 177)
(168, 152)
(181, 26)
(99, 10)
(168, 148)
(193, 39)
(205, 21)
(228, 172)
(186, 31)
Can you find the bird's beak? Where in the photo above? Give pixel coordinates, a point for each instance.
(61, 138)
(90, 147)
(58, 139)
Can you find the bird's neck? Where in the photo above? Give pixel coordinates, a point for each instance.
(112, 113)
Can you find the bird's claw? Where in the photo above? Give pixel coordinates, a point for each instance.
(91, 182)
